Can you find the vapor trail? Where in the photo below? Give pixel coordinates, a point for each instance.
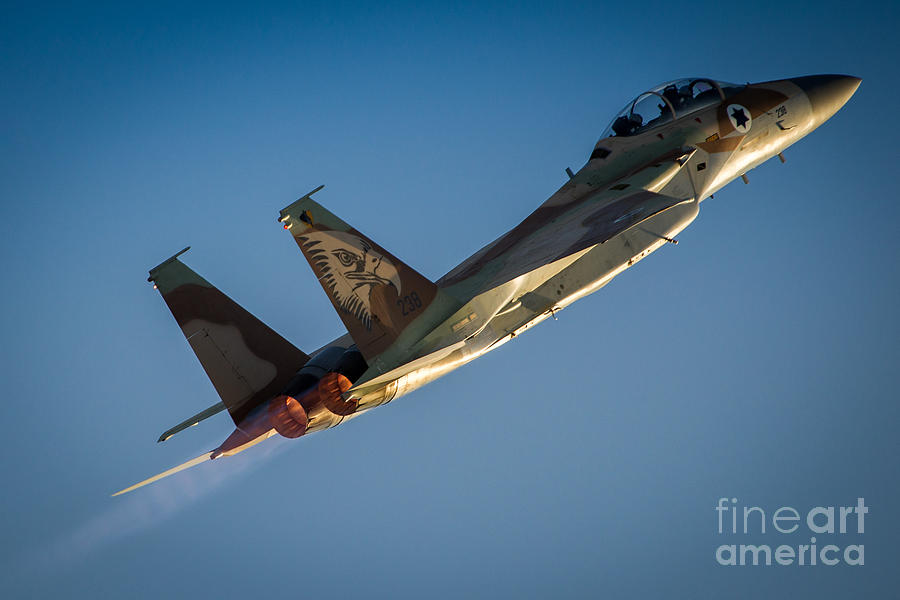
(143, 510)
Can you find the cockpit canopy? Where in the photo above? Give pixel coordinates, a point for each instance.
(667, 102)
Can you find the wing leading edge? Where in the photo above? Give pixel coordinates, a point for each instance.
(191, 463)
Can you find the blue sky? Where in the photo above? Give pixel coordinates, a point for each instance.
(757, 359)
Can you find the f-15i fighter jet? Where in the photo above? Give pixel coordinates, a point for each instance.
(669, 149)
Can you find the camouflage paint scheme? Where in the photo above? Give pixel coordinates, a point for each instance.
(245, 359)
(638, 190)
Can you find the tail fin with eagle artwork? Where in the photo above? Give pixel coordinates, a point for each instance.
(375, 294)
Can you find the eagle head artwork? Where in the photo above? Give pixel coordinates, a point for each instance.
(350, 267)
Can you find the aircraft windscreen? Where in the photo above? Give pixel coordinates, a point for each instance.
(667, 102)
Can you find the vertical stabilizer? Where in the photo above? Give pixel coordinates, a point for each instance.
(376, 295)
(246, 361)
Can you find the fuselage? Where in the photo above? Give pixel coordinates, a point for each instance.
(700, 149)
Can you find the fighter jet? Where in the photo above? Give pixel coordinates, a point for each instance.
(667, 151)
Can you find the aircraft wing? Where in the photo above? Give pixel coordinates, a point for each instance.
(191, 463)
(595, 222)
(569, 223)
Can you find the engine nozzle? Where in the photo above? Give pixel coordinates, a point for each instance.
(287, 416)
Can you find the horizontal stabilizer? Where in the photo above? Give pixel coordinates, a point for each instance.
(190, 422)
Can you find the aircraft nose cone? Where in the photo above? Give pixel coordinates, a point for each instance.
(827, 93)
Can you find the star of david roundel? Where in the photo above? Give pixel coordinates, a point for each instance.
(739, 117)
